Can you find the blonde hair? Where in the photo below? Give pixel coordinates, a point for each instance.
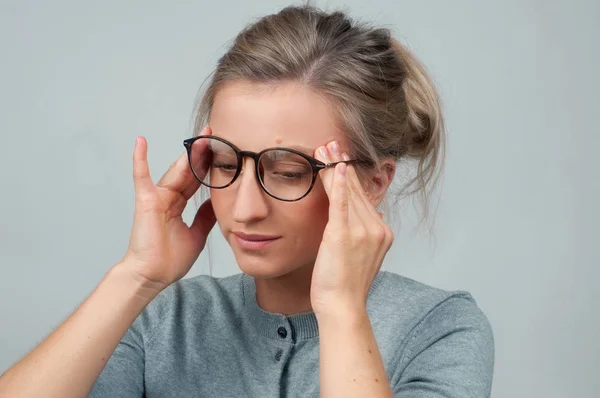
(386, 103)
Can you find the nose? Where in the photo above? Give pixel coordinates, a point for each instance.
(250, 201)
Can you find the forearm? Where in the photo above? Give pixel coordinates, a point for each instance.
(350, 362)
(70, 359)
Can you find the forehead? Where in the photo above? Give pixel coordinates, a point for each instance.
(254, 117)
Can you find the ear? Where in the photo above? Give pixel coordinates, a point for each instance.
(380, 179)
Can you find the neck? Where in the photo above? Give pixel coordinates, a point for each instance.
(286, 294)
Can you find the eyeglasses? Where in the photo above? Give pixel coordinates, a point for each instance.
(284, 173)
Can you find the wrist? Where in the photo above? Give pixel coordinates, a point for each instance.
(348, 314)
(141, 287)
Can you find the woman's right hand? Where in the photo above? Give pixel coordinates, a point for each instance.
(162, 247)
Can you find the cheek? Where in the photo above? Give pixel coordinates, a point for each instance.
(221, 205)
(310, 217)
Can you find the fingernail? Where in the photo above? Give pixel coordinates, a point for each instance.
(335, 148)
(323, 151)
(345, 156)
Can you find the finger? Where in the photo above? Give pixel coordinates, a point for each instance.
(326, 175)
(353, 179)
(204, 221)
(364, 225)
(338, 199)
(378, 229)
(199, 151)
(357, 188)
(179, 177)
(362, 209)
(379, 232)
(357, 217)
(329, 153)
(200, 157)
(141, 173)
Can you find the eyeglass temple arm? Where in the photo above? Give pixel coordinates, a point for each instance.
(343, 161)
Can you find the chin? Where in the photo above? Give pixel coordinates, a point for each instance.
(261, 267)
(260, 263)
(266, 265)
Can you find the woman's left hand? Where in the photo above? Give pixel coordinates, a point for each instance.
(355, 241)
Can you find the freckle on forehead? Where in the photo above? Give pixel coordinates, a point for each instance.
(278, 141)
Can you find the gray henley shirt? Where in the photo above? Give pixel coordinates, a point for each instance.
(207, 337)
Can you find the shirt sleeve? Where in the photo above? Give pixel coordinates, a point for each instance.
(123, 374)
(449, 354)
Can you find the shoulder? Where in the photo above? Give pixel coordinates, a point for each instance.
(436, 335)
(414, 301)
(410, 312)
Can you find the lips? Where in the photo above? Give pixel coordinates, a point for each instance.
(254, 241)
(255, 237)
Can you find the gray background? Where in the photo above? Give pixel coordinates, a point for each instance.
(516, 224)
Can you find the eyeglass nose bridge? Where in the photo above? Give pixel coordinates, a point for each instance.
(248, 154)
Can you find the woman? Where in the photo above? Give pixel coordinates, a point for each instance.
(298, 137)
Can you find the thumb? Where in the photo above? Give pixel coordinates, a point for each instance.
(203, 222)
(141, 173)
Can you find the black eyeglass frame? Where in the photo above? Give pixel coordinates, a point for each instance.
(315, 164)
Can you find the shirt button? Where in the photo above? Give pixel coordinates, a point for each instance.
(278, 355)
(282, 332)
